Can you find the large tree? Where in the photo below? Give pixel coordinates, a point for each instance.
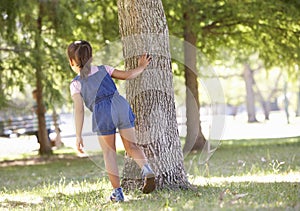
(143, 28)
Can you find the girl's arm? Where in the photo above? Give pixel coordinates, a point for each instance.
(79, 118)
(143, 62)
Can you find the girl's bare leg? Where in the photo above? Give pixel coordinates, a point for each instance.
(108, 147)
(129, 142)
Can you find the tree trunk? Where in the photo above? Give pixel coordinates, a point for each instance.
(195, 140)
(286, 102)
(266, 103)
(45, 148)
(250, 99)
(2, 95)
(298, 102)
(58, 142)
(143, 28)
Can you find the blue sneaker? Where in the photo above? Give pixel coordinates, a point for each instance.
(149, 179)
(117, 195)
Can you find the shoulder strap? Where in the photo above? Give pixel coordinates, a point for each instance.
(101, 67)
(76, 78)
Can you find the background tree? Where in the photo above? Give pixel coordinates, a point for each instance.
(269, 28)
(250, 95)
(266, 101)
(143, 28)
(298, 100)
(35, 44)
(195, 140)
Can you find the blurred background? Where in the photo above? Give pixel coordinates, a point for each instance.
(250, 47)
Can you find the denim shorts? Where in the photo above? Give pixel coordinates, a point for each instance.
(110, 113)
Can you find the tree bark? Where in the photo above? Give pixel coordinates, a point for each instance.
(143, 28)
(250, 98)
(195, 140)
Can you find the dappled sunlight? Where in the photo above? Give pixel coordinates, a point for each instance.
(62, 191)
(77, 187)
(291, 177)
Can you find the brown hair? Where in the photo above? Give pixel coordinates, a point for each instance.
(81, 52)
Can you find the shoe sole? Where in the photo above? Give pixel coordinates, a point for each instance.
(149, 183)
(114, 200)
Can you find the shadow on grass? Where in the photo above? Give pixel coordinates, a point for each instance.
(39, 160)
(9, 204)
(61, 154)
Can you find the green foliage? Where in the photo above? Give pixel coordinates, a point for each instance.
(240, 28)
(39, 38)
(270, 28)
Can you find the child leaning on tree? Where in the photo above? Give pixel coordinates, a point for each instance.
(94, 87)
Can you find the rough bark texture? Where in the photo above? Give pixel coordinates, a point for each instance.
(250, 98)
(195, 140)
(143, 28)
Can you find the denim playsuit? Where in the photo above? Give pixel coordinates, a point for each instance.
(110, 110)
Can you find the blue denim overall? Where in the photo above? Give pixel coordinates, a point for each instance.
(110, 110)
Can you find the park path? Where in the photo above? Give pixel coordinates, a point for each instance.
(234, 128)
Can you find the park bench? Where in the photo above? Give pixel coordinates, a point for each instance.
(23, 125)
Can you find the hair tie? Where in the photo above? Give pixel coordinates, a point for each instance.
(77, 42)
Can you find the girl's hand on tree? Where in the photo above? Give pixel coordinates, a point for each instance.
(144, 60)
(79, 144)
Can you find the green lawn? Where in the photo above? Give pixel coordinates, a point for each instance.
(241, 175)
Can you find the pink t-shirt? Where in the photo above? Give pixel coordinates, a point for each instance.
(75, 86)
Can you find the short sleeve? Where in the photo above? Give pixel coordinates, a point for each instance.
(75, 87)
(109, 69)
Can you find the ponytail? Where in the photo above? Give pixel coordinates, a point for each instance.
(81, 52)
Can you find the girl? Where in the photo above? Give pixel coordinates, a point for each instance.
(95, 88)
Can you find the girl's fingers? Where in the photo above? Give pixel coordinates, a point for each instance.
(147, 56)
(80, 149)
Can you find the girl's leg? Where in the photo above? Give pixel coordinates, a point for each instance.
(108, 147)
(129, 142)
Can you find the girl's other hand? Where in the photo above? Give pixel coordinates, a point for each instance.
(79, 144)
(144, 60)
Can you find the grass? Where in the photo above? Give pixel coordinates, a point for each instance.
(241, 175)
